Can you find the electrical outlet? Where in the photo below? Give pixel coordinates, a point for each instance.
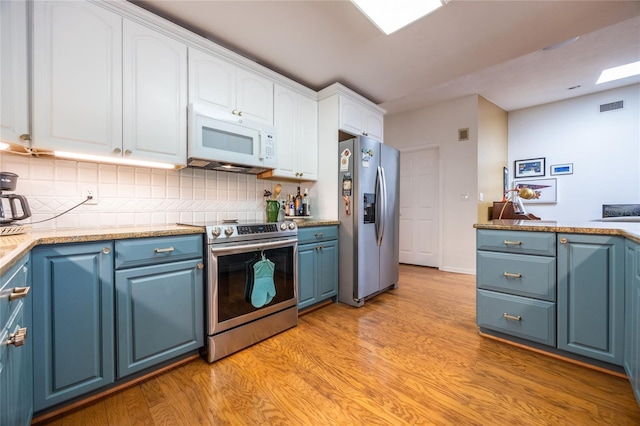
(92, 193)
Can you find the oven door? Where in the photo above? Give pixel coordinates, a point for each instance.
(231, 279)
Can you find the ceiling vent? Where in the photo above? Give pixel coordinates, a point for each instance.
(612, 106)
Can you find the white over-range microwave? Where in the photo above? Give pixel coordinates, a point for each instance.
(228, 142)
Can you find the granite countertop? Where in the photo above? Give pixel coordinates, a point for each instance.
(13, 247)
(316, 222)
(629, 230)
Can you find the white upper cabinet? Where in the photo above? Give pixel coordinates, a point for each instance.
(85, 58)
(14, 73)
(219, 84)
(77, 78)
(358, 119)
(307, 130)
(296, 119)
(155, 95)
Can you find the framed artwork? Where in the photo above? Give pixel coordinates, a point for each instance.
(529, 168)
(545, 190)
(562, 169)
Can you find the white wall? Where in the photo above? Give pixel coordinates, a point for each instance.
(603, 147)
(438, 126)
(136, 196)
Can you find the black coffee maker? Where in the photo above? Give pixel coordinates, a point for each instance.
(12, 207)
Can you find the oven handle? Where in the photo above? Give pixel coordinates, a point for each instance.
(254, 246)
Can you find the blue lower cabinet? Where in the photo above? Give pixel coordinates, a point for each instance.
(16, 346)
(159, 313)
(591, 296)
(317, 264)
(632, 316)
(73, 320)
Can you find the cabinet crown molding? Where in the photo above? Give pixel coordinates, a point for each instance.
(340, 89)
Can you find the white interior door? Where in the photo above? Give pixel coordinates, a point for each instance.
(419, 207)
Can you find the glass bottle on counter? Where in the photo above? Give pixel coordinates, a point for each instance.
(298, 204)
(305, 203)
(287, 206)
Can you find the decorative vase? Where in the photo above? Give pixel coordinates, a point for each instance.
(273, 207)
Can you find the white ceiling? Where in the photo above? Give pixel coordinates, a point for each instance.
(492, 48)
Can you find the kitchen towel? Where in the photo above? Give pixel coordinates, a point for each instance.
(264, 288)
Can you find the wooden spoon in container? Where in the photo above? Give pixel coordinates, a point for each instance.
(276, 191)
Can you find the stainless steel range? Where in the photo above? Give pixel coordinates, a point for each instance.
(252, 284)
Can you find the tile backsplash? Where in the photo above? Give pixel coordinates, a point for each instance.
(135, 195)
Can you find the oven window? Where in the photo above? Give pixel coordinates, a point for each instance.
(235, 281)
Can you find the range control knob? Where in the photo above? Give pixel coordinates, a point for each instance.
(216, 232)
(283, 226)
(228, 231)
(292, 225)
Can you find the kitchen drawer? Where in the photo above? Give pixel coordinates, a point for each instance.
(148, 251)
(317, 233)
(529, 319)
(13, 285)
(519, 274)
(522, 242)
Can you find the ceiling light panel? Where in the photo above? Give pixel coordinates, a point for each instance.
(616, 73)
(390, 16)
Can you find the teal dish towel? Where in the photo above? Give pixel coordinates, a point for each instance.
(264, 288)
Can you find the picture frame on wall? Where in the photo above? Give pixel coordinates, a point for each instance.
(545, 190)
(562, 169)
(532, 167)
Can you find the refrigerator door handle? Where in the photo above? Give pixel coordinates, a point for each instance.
(381, 204)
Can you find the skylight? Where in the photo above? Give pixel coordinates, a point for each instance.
(390, 16)
(616, 73)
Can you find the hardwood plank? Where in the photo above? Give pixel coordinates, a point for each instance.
(409, 356)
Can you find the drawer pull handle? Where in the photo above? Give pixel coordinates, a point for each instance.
(164, 250)
(17, 338)
(511, 317)
(319, 234)
(512, 275)
(512, 243)
(19, 293)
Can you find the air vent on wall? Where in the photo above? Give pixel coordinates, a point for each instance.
(463, 134)
(612, 106)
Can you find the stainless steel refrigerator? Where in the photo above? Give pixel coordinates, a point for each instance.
(369, 224)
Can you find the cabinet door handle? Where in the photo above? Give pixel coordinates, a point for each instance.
(200, 265)
(511, 317)
(164, 250)
(563, 241)
(117, 151)
(17, 339)
(512, 275)
(106, 250)
(512, 243)
(25, 137)
(19, 293)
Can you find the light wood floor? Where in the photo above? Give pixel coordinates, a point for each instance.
(409, 356)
